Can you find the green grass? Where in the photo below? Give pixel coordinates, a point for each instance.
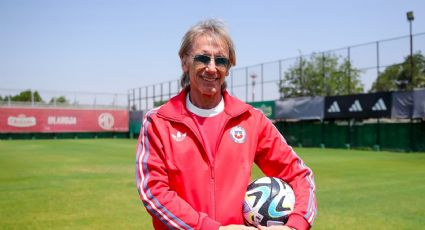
(89, 184)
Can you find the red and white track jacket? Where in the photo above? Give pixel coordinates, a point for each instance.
(182, 188)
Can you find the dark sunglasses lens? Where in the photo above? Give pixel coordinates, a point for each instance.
(203, 59)
(221, 61)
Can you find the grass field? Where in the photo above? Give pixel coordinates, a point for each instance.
(89, 184)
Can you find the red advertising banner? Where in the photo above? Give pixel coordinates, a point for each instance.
(53, 120)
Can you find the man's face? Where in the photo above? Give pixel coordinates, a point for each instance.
(207, 65)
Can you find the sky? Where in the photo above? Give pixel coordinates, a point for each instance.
(113, 46)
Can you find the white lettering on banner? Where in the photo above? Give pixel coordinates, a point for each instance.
(62, 120)
(267, 110)
(106, 121)
(356, 107)
(379, 105)
(21, 121)
(334, 108)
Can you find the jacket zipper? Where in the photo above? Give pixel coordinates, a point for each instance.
(212, 171)
(213, 168)
(211, 164)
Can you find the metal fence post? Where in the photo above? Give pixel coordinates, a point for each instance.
(349, 70)
(169, 90)
(377, 59)
(323, 75)
(262, 82)
(146, 98)
(140, 98)
(128, 100)
(162, 93)
(246, 83)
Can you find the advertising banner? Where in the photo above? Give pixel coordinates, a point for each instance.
(419, 103)
(373, 105)
(267, 107)
(300, 108)
(53, 120)
(402, 104)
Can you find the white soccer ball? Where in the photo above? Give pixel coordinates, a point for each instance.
(268, 201)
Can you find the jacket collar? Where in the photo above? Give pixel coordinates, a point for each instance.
(176, 109)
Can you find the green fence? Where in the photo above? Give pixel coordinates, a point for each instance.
(134, 128)
(406, 136)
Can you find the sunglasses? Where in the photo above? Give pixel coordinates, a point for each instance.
(220, 62)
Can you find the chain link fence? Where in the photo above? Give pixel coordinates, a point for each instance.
(74, 99)
(260, 82)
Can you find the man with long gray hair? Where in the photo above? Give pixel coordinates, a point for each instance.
(195, 153)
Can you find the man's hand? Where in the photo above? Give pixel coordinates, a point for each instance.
(236, 227)
(275, 227)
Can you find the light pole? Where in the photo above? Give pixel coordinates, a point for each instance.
(410, 18)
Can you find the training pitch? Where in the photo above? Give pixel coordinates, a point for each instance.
(89, 184)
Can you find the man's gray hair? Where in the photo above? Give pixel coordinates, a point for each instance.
(213, 27)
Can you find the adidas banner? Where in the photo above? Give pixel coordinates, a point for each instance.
(372, 105)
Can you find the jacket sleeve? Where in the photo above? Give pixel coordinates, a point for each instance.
(161, 202)
(276, 158)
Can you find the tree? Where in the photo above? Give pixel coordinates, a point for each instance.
(60, 99)
(398, 76)
(27, 95)
(5, 98)
(24, 96)
(321, 75)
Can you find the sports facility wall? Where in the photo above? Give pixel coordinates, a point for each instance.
(42, 123)
(390, 120)
(301, 120)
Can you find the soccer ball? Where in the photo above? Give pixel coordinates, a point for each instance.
(268, 201)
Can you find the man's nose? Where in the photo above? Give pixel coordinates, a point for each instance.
(211, 67)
